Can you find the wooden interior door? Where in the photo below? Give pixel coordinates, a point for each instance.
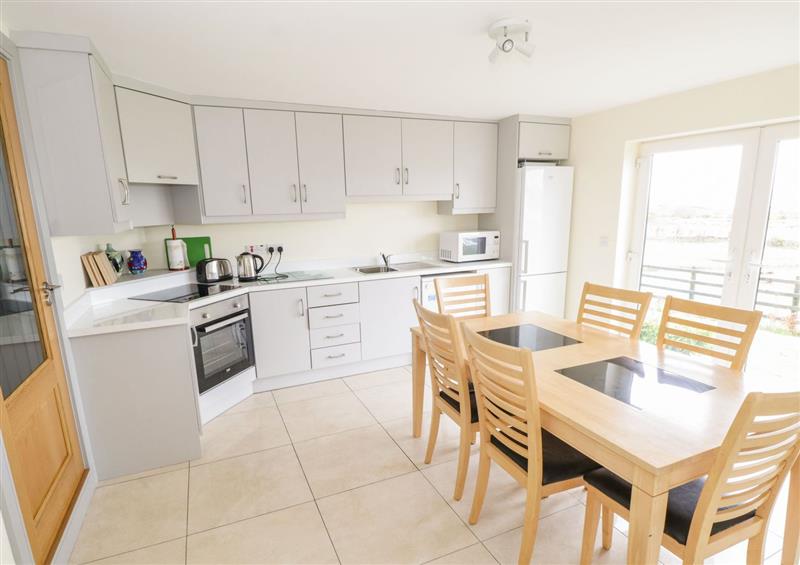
(36, 416)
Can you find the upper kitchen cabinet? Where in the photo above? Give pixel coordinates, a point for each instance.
(428, 159)
(76, 140)
(272, 161)
(373, 156)
(320, 155)
(158, 137)
(474, 169)
(543, 142)
(223, 161)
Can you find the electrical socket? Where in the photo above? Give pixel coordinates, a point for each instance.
(258, 249)
(275, 246)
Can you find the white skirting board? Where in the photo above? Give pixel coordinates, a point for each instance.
(283, 381)
(217, 400)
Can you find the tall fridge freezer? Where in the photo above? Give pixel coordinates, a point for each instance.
(543, 246)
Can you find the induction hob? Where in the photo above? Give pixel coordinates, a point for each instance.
(529, 336)
(185, 293)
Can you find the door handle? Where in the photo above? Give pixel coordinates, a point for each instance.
(525, 256)
(545, 153)
(301, 308)
(48, 290)
(458, 190)
(167, 177)
(405, 175)
(397, 175)
(195, 339)
(244, 193)
(524, 296)
(126, 191)
(305, 193)
(415, 292)
(294, 193)
(332, 295)
(334, 316)
(334, 336)
(339, 356)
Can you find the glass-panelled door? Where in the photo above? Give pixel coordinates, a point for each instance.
(717, 222)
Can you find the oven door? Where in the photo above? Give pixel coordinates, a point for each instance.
(222, 349)
(473, 247)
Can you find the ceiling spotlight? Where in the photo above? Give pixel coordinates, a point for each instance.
(510, 34)
(505, 45)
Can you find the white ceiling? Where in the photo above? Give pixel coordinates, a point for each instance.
(427, 57)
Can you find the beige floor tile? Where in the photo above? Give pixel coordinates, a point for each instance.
(377, 378)
(242, 487)
(148, 473)
(400, 520)
(169, 553)
(504, 505)
(731, 556)
(244, 432)
(293, 535)
(307, 419)
(446, 443)
(253, 402)
(313, 390)
(351, 459)
(132, 515)
(473, 555)
(558, 540)
(392, 401)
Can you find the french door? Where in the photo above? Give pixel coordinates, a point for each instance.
(718, 221)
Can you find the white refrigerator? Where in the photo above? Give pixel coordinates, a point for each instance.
(543, 245)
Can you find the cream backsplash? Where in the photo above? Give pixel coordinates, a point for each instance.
(391, 227)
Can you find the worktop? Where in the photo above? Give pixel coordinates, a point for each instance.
(112, 310)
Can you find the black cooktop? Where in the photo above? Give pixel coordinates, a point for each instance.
(635, 383)
(185, 293)
(530, 336)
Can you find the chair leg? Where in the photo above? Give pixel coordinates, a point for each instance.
(484, 465)
(463, 462)
(435, 413)
(474, 438)
(532, 504)
(755, 548)
(590, 522)
(608, 527)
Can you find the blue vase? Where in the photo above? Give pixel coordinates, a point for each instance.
(137, 264)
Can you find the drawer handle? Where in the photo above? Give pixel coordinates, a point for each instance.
(339, 356)
(334, 316)
(334, 336)
(545, 153)
(332, 295)
(167, 177)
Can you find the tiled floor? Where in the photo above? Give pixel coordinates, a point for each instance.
(329, 473)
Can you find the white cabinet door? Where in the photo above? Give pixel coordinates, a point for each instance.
(543, 293)
(475, 166)
(499, 289)
(223, 161)
(272, 159)
(158, 137)
(387, 315)
(119, 191)
(428, 158)
(321, 160)
(543, 142)
(280, 332)
(372, 156)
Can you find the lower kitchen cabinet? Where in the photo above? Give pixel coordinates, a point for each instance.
(280, 332)
(499, 289)
(387, 315)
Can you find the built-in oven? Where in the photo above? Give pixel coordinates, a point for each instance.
(222, 340)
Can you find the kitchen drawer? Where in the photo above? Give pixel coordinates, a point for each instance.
(335, 335)
(339, 355)
(328, 316)
(332, 294)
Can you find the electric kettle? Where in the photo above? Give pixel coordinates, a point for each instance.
(249, 265)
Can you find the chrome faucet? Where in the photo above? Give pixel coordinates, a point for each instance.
(386, 258)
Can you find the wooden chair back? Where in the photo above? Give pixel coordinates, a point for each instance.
(614, 309)
(463, 297)
(758, 452)
(505, 391)
(720, 332)
(446, 355)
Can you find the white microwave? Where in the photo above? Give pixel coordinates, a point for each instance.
(460, 246)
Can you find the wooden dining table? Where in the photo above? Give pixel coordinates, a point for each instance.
(655, 443)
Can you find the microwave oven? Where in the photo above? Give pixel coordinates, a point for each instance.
(460, 246)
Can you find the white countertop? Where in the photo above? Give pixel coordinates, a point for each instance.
(119, 314)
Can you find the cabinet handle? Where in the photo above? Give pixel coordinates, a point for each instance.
(334, 316)
(405, 175)
(195, 339)
(332, 295)
(458, 190)
(339, 356)
(244, 193)
(167, 177)
(294, 193)
(545, 153)
(415, 292)
(301, 308)
(397, 175)
(334, 336)
(305, 193)
(126, 192)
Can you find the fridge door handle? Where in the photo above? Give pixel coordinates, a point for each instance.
(524, 295)
(525, 248)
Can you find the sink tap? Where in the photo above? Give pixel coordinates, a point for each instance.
(386, 258)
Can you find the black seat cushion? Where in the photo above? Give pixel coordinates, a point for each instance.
(560, 461)
(473, 406)
(681, 503)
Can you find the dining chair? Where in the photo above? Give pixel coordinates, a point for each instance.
(717, 331)
(451, 389)
(616, 309)
(463, 297)
(511, 434)
(733, 503)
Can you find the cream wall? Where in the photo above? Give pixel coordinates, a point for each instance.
(392, 227)
(603, 150)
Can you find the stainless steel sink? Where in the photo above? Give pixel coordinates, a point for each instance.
(374, 269)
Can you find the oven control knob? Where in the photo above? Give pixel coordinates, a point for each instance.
(205, 316)
(237, 305)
